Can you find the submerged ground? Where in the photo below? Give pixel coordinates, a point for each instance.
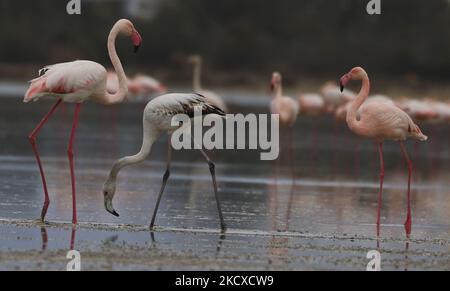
(320, 218)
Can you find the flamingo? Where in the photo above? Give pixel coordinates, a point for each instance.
(418, 109)
(311, 104)
(212, 97)
(76, 82)
(145, 85)
(157, 119)
(140, 85)
(333, 98)
(381, 121)
(286, 107)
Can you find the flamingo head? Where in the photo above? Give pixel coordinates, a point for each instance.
(356, 73)
(109, 190)
(162, 89)
(137, 40)
(127, 28)
(194, 59)
(276, 81)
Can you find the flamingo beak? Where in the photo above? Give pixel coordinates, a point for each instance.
(109, 207)
(272, 87)
(162, 89)
(137, 41)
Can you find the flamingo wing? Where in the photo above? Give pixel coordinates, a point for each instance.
(79, 79)
(173, 104)
(386, 120)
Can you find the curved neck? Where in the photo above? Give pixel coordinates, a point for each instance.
(197, 76)
(148, 139)
(120, 95)
(278, 91)
(352, 120)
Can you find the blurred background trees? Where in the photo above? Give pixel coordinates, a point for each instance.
(313, 37)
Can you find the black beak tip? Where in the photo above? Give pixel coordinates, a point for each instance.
(136, 48)
(114, 213)
(342, 88)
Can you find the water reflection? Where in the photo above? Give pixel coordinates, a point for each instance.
(334, 186)
(45, 238)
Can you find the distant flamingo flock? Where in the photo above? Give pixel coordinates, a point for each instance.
(377, 117)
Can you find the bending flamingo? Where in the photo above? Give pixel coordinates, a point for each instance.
(157, 119)
(212, 97)
(76, 82)
(381, 121)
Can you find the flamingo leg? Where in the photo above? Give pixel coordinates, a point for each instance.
(212, 169)
(32, 138)
(163, 186)
(70, 155)
(291, 150)
(380, 146)
(73, 238)
(410, 168)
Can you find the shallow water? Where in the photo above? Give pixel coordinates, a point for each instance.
(320, 218)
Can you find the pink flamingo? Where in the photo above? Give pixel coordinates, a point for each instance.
(285, 106)
(288, 110)
(145, 85)
(76, 82)
(333, 98)
(140, 85)
(311, 104)
(381, 121)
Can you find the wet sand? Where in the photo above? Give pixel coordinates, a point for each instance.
(320, 219)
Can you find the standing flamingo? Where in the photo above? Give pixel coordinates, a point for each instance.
(76, 82)
(210, 96)
(158, 115)
(333, 98)
(381, 121)
(286, 107)
(311, 104)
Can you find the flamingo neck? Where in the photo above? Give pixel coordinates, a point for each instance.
(278, 91)
(148, 140)
(197, 76)
(120, 95)
(352, 120)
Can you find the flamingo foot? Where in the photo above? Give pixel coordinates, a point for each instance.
(44, 210)
(223, 228)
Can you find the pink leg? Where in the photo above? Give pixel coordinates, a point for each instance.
(32, 139)
(72, 238)
(291, 151)
(410, 168)
(70, 154)
(380, 145)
